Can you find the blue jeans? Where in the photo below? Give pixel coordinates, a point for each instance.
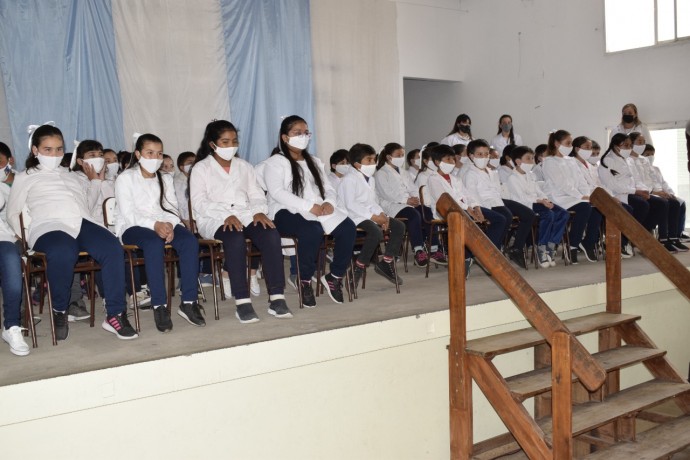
(552, 223)
(187, 247)
(11, 280)
(62, 252)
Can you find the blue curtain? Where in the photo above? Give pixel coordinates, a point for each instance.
(268, 55)
(58, 62)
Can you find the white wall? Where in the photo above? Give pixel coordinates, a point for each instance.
(429, 110)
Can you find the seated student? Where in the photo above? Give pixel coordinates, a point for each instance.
(461, 159)
(88, 166)
(61, 226)
(168, 166)
(185, 160)
(413, 163)
(661, 188)
(230, 206)
(357, 195)
(522, 187)
(442, 181)
(339, 167)
(483, 184)
(6, 165)
(302, 203)
(538, 172)
(399, 198)
(147, 218)
(506, 167)
(427, 167)
(123, 158)
(112, 167)
(421, 180)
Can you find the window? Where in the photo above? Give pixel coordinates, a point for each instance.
(671, 158)
(638, 23)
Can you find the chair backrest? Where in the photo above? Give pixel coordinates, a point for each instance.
(192, 222)
(423, 199)
(109, 212)
(24, 222)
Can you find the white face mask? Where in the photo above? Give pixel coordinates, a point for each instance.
(565, 151)
(368, 170)
(431, 166)
(585, 154)
(398, 162)
(625, 153)
(464, 160)
(151, 165)
(342, 169)
(299, 142)
(226, 153)
(495, 162)
(49, 163)
(187, 168)
(593, 160)
(417, 162)
(481, 162)
(96, 163)
(650, 158)
(526, 167)
(639, 149)
(111, 170)
(446, 168)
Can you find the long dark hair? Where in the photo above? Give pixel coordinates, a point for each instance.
(556, 136)
(511, 136)
(388, 149)
(425, 155)
(507, 150)
(85, 146)
(282, 149)
(616, 141)
(143, 139)
(462, 118)
(212, 133)
(38, 135)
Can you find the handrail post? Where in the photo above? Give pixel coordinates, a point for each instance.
(561, 382)
(609, 338)
(460, 381)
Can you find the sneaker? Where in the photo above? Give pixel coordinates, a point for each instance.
(120, 326)
(246, 314)
(308, 299)
(385, 269)
(468, 264)
(439, 258)
(684, 238)
(626, 252)
(680, 246)
(358, 275)
(206, 279)
(254, 286)
(543, 258)
(590, 254)
(161, 316)
(61, 326)
(573, 256)
(421, 258)
(292, 281)
(77, 312)
(15, 339)
(279, 309)
(143, 300)
(518, 257)
(669, 246)
(191, 312)
(334, 287)
(551, 254)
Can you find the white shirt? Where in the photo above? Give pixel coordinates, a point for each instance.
(484, 186)
(138, 201)
(504, 171)
(277, 176)
(455, 139)
(358, 197)
(96, 192)
(54, 199)
(642, 173)
(499, 142)
(564, 182)
(640, 128)
(181, 183)
(438, 185)
(411, 174)
(217, 194)
(334, 180)
(422, 180)
(622, 184)
(6, 233)
(394, 189)
(524, 189)
(660, 184)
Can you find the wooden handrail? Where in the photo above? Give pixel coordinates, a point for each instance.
(535, 310)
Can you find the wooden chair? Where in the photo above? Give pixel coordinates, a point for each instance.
(438, 226)
(386, 237)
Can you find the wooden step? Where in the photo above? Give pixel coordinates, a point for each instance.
(527, 338)
(657, 443)
(532, 383)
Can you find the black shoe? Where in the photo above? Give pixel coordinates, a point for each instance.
(334, 287)
(358, 275)
(120, 326)
(669, 246)
(61, 325)
(590, 254)
(517, 256)
(77, 312)
(385, 269)
(161, 316)
(191, 311)
(279, 309)
(684, 238)
(680, 246)
(573, 256)
(308, 299)
(246, 314)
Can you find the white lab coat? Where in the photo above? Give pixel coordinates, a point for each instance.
(438, 185)
(564, 183)
(357, 196)
(641, 128)
(6, 233)
(499, 142)
(96, 192)
(642, 173)
(523, 188)
(181, 183)
(455, 139)
(394, 189)
(483, 186)
(622, 184)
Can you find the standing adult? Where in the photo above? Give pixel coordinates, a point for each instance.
(630, 123)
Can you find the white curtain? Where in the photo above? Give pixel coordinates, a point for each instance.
(357, 84)
(5, 130)
(171, 66)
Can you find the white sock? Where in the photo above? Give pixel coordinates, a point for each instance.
(276, 297)
(418, 248)
(242, 301)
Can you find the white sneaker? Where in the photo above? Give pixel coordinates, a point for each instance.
(254, 286)
(143, 299)
(13, 336)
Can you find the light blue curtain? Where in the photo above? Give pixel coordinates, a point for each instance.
(268, 55)
(58, 62)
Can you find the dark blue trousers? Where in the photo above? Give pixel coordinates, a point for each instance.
(11, 280)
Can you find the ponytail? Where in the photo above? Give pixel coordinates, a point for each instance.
(555, 136)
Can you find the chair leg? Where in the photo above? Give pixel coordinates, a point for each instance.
(135, 302)
(28, 307)
(92, 296)
(428, 261)
(50, 315)
(215, 276)
(299, 279)
(395, 272)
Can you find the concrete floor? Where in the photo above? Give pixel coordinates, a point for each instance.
(90, 349)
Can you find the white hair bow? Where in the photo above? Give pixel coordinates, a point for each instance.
(32, 128)
(73, 160)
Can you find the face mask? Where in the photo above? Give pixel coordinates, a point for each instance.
(495, 162)
(5, 173)
(187, 168)
(527, 167)
(639, 149)
(342, 169)
(431, 166)
(49, 163)
(481, 162)
(464, 160)
(628, 118)
(593, 160)
(417, 162)
(151, 165)
(506, 127)
(585, 154)
(368, 170)
(226, 153)
(96, 163)
(650, 158)
(299, 142)
(398, 162)
(446, 168)
(464, 128)
(625, 153)
(111, 170)
(565, 151)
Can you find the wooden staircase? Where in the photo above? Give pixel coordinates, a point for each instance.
(580, 410)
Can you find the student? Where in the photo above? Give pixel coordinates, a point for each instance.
(506, 134)
(112, 167)
(62, 226)
(6, 165)
(168, 166)
(630, 123)
(461, 132)
(339, 167)
(399, 197)
(522, 187)
(147, 218)
(230, 206)
(483, 184)
(123, 158)
(595, 156)
(421, 180)
(185, 160)
(357, 194)
(538, 172)
(461, 159)
(413, 163)
(302, 203)
(506, 166)
(88, 166)
(427, 166)
(567, 188)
